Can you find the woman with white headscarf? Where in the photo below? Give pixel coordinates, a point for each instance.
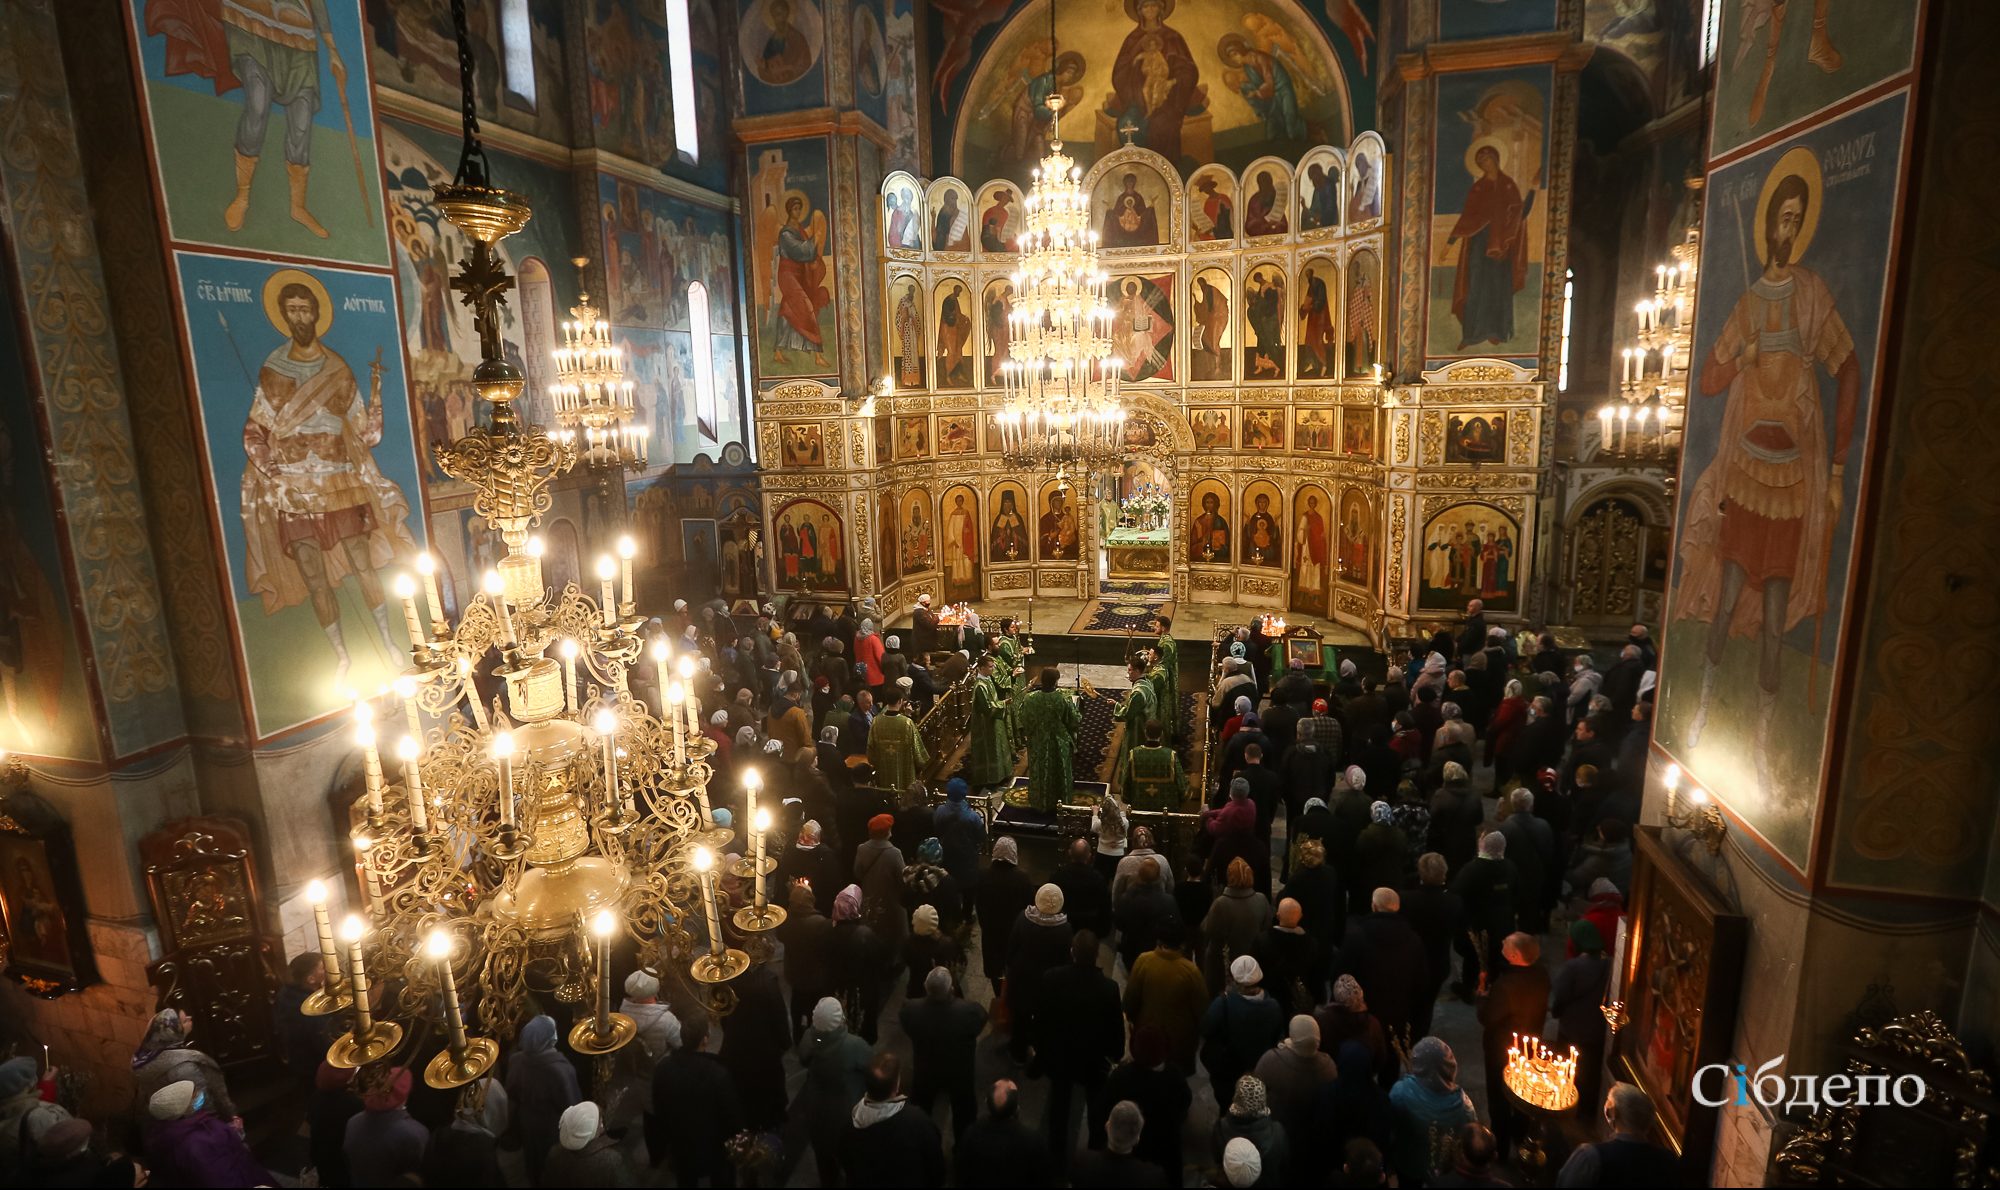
(868, 652)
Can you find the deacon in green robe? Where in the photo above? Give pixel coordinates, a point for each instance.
(991, 761)
(1048, 720)
(1156, 780)
(1164, 702)
(1134, 713)
(1169, 652)
(895, 747)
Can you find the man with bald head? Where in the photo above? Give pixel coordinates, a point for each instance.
(1385, 955)
(1293, 959)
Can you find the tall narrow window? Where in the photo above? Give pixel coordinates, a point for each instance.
(680, 67)
(1711, 29)
(704, 360)
(517, 47)
(1562, 358)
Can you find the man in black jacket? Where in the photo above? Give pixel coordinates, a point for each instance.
(1076, 1045)
(1146, 906)
(1486, 887)
(943, 1030)
(1000, 1151)
(1472, 637)
(1539, 743)
(1118, 1163)
(695, 1133)
(1438, 917)
(1628, 1158)
(1385, 956)
(1516, 1005)
(1086, 893)
(889, 1141)
(1621, 681)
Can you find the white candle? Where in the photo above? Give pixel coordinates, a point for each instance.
(752, 782)
(704, 867)
(674, 697)
(686, 667)
(572, 697)
(1617, 965)
(427, 568)
(762, 823)
(372, 765)
(406, 590)
(413, 781)
(406, 689)
(659, 651)
(606, 725)
(503, 755)
(627, 548)
(496, 591)
(607, 570)
(323, 923)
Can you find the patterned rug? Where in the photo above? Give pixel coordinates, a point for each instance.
(1135, 588)
(1115, 615)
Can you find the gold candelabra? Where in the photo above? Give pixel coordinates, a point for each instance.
(1697, 814)
(1538, 1076)
(529, 832)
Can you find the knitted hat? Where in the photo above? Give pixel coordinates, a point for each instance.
(894, 642)
(1319, 708)
(1250, 1101)
(172, 1101)
(1245, 971)
(931, 851)
(1005, 848)
(392, 1094)
(1585, 935)
(1380, 812)
(1242, 1164)
(580, 1125)
(1347, 669)
(16, 1076)
(1603, 887)
(881, 824)
(1048, 900)
(1347, 994)
(828, 1015)
(641, 985)
(924, 922)
(906, 683)
(1303, 1032)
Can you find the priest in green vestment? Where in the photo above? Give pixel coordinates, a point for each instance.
(1049, 720)
(991, 762)
(1155, 780)
(895, 747)
(1169, 652)
(1133, 714)
(1163, 694)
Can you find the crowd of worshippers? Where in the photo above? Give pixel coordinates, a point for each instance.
(1298, 982)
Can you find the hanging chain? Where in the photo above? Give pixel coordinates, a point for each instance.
(471, 154)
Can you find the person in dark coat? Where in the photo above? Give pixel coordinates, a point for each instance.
(465, 1152)
(1162, 1096)
(1086, 891)
(1240, 1025)
(384, 1145)
(1351, 806)
(1621, 681)
(836, 1065)
(1486, 886)
(943, 1029)
(329, 1107)
(755, 1038)
(1079, 1036)
(1516, 1004)
(1472, 637)
(811, 965)
(810, 859)
(693, 1133)
(891, 1142)
(1296, 965)
(1628, 1158)
(999, 1151)
(1233, 752)
(1576, 998)
(1146, 906)
(878, 869)
(928, 882)
(1531, 846)
(1002, 893)
(863, 961)
(541, 1085)
(1456, 815)
(962, 832)
(1380, 853)
(303, 1039)
(1306, 773)
(1281, 726)
(1353, 1106)
(1322, 902)
(588, 1156)
(1385, 956)
(1538, 743)
(929, 947)
(1038, 943)
(1438, 917)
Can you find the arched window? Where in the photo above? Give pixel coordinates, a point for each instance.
(680, 71)
(704, 358)
(517, 48)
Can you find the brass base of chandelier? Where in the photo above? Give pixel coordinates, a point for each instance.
(714, 968)
(746, 867)
(328, 1001)
(485, 213)
(448, 1070)
(715, 838)
(351, 1053)
(585, 1039)
(752, 920)
(617, 822)
(547, 901)
(509, 844)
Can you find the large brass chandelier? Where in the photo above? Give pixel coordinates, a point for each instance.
(1061, 380)
(527, 837)
(1652, 389)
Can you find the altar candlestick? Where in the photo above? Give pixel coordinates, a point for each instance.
(607, 570)
(413, 782)
(427, 570)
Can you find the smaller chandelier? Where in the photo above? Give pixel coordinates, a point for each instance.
(593, 399)
(1061, 380)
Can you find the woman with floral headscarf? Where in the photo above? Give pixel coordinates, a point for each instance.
(862, 960)
(928, 882)
(1380, 852)
(164, 1056)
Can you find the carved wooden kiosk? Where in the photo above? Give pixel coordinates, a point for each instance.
(219, 964)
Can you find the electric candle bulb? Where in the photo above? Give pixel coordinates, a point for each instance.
(438, 945)
(607, 570)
